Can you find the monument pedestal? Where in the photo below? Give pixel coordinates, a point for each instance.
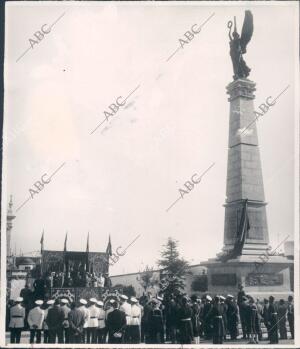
(246, 244)
(260, 280)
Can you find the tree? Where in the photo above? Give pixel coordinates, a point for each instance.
(147, 278)
(174, 268)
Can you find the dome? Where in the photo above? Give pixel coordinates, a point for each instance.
(26, 261)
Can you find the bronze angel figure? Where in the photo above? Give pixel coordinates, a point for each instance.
(238, 46)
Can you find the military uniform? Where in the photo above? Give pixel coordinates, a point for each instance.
(86, 315)
(216, 315)
(35, 321)
(135, 324)
(185, 324)
(126, 308)
(273, 323)
(290, 317)
(101, 331)
(156, 327)
(16, 324)
(66, 331)
(232, 319)
(92, 323)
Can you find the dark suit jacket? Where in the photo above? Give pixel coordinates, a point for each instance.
(116, 321)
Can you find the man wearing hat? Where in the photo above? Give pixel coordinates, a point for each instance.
(116, 323)
(35, 321)
(86, 315)
(92, 321)
(76, 322)
(55, 319)
(290, 315)
(101, 330)
(207, 328)
(65, 308)
(155, 324)
(16, 324)
(273, 321)
(185, 322)
(49, 304)
(126, 308)
(244, 316)
(232, 317)
(224, 314)
(134, 327)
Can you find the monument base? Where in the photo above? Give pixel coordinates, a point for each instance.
(260, 279)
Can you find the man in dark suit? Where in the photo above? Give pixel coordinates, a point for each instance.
(76, 322)
(116, 322)
(55, 319)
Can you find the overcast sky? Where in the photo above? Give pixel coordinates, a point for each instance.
(121, 179)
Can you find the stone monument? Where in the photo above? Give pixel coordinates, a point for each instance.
(246, 259)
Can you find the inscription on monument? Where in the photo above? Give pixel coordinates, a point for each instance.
(264, 279)
(223, 279)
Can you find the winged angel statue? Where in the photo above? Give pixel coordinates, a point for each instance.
(238, 46)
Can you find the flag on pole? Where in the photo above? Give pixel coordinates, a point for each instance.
(65, 244)
(88, 243)
(42, 242)
(109, 248)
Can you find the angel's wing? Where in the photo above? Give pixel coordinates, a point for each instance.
(247, 30)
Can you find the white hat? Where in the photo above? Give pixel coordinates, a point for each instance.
(222, 298)
(230, 296)
(39, 302)
(111, 301)
(64, 300)
(19, 299)
(50, 301)
(159, 298)
(100, 303)
(133, 300)
(82, 301)
(93, 300)
(124, 297)
(208, 297)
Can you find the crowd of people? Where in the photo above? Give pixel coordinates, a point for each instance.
(157, 320)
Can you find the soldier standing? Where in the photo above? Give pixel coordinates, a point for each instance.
(273, 321)
(49, 303)
(65, 308)
(155, 324)
(244, 311)
(92, 322)
(126, 308)
(16, 324)
(206, 319)
(86, 316)
(101, 331)
(232, 317)
(265, 315)
(216, 315)
(35, 321)
(290, 315)
(224, 311)
(135, 322)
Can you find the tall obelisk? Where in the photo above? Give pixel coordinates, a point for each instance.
(246, 258)
(244, 172)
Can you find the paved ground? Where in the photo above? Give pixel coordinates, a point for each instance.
(239, 341)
